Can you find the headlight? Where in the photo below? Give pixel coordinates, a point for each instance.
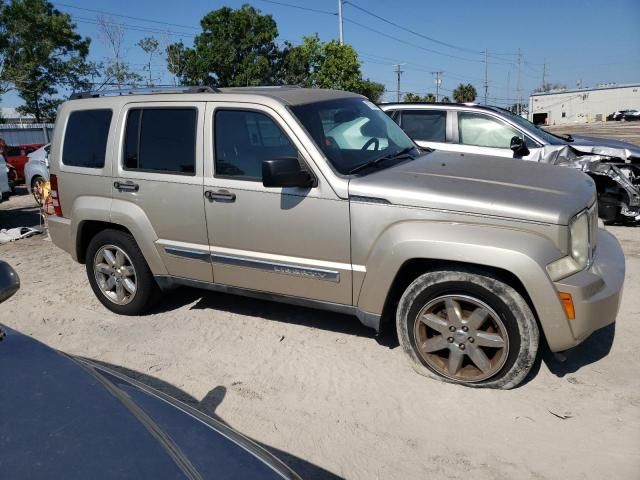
(579, 249)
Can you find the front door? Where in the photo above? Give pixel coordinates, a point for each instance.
(289, 241)
(484, 134)
(158, 182)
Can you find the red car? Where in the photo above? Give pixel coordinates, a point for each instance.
(16, 156)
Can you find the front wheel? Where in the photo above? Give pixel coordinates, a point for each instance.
(467, 328)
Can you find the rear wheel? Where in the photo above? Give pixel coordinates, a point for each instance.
(468, 328)
(119, 274)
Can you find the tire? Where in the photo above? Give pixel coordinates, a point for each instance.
(508, 336)
(121, 247)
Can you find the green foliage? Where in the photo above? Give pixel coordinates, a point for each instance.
(413, 98)
(465, 93)
(235, 48)
(150, 46)
(370, 89)
(445, 100)
(41, 53)
(238, 48)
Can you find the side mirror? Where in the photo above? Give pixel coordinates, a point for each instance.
(285, 172)
(518, 147)
(9, 281)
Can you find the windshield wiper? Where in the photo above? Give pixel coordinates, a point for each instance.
(562, 136)
(404, 153)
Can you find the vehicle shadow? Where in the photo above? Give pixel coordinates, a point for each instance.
(593, 349)
(273, 311)
(208, 406)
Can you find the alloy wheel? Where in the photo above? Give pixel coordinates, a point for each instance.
(115, 274)
(461, 338)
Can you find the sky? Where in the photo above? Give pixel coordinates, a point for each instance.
(573, 42)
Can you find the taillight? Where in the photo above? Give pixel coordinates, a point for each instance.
(55, 196)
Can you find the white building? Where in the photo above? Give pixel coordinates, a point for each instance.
(583, 105)
(11, 115)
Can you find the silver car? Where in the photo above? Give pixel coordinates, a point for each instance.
(316, 197)
(36, 170)
(5, 188)
(613, 165)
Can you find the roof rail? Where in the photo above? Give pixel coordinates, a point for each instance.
(261, 87)
(143, 91)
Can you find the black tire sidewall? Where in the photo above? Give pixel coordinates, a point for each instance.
(146, 289)
(516, 316)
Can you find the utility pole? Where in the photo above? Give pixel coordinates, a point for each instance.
(486, 75)
(340, 22)
(438, 81)
(544, 74)
(398, 73)
(519, 106)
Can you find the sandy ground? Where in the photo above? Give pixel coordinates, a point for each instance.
(331, 399)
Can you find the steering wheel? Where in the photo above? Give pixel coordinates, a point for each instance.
(370, 142)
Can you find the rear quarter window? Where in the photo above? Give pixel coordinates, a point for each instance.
(85, 138)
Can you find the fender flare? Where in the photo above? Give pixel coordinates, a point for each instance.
(523, 253)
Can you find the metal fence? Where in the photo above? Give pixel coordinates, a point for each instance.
(19, 134)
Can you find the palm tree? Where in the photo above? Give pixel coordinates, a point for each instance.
(445, 100)
(412, 98)
(465, 93)
(430, 98)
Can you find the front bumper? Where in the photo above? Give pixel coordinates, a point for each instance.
(596, 292)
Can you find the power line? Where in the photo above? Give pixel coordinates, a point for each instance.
(137, 28)
(431, 39)
(126, 16)
(308, 9)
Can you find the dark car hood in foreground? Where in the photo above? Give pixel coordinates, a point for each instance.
(72, 419)
(483, 185)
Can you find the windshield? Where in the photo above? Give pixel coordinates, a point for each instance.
(352, 131)
(536, 130)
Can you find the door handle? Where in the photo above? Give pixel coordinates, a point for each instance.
(220, 196)
(126, 186)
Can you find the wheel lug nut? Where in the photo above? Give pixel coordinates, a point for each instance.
(461, 346)
(452, 328)
(471, 340)
(465, 329)
(450, 339)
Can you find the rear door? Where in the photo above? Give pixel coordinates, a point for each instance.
(428, 128)
(159, 175)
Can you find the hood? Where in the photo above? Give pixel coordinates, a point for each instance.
(72, 418)
(482, 185)
(605, 146)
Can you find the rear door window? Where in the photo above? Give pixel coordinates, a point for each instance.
(427, 125)
(85, 138)
(161, 140)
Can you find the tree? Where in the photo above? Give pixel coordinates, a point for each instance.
(445, 100)
(325, 65)
(515, 108)
(150, 46)
(235, 48)
(412, 98)
(547, 87)
(42, 54)
(116, 70)
(465, 93)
